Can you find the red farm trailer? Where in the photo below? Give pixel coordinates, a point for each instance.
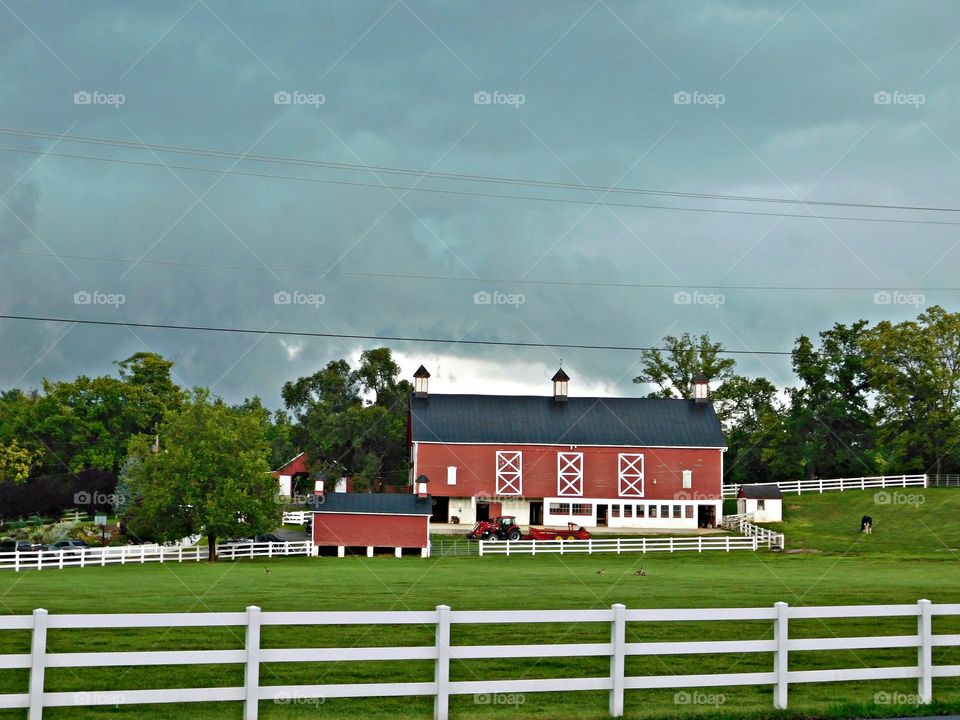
(505, 528)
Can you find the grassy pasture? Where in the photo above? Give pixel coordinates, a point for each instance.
(912, 554)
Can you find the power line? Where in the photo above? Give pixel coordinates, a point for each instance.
(468, 177)
(466, 193)
(387, 338)
(455, 278)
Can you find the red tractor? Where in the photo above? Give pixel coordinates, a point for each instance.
(502, 528)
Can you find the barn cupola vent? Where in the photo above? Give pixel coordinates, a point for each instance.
(420, 379)
(701, 388)
(560, 381)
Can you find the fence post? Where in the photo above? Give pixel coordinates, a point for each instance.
(618, 546)
(781, 637)
(590, 546)
(926, 479)
(480, 543)
(618, 642)
(925, 652)
(38, 658)
(251, 670)
(441, 701)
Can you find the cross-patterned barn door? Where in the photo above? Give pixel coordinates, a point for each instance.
(509, 472)
(630, 474)
(570, 474)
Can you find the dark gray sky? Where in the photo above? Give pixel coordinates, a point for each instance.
(846, 102)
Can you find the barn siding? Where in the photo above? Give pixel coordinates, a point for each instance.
(350, 530)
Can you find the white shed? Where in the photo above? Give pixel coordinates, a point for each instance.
(764, 501)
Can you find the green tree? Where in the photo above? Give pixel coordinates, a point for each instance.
(750, 413)
(210, 477)
(16, 461)
(353, 421)
(915, 371)
(685, 356)
(830, 429)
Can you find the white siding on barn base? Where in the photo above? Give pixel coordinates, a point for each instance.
(772, 509)
(624, 518)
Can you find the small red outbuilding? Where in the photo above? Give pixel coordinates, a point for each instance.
(371, 520)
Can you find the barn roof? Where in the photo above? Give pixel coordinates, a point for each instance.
(509, 419)
(371, 503)
(769, 491)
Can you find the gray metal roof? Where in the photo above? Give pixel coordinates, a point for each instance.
(767, 491)
(509, 419)
(371, 503)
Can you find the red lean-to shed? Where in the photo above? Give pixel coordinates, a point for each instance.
(371, 520)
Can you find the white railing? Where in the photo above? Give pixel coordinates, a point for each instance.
(295, 517)
(234, 551)
(135, 554)
(743, 524)
(852, 483)
(697, 543)
(442, 651)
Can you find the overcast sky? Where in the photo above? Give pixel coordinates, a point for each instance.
(843, 102)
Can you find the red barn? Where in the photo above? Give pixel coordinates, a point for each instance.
(371, 520)
(615, 462)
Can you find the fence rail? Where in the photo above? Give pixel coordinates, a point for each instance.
(295, 517)
(743, 524)
(441, 688)
(697, 543)
(840, 484)
(136, 554)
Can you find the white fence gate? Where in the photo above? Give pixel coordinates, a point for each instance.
(441, 687)
(743, 524)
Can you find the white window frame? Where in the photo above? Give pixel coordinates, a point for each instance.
(509, 472)
(687, 479)
(570, 474)
(451, 475)
(630, 475)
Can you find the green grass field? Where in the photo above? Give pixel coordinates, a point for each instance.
(912, 554)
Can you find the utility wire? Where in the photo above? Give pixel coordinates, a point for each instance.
(389, 338)
(455, 278)
(465, 193)
(468, 177)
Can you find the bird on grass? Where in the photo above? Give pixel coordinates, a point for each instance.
(267, 570)
(641, 572)
(602, 571)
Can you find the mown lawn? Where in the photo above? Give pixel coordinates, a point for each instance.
(911, 555)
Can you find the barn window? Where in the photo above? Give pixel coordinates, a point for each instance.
(687, 479)
(570, 473)
(628, 510)
(641, 511)
(452, 475)
(653, 511)
(689, 511)
(760, 505)
(664, 511)
(630, 474)
(559, 508)
(615, 511)
(581, 509)
(509, 472)
(677, 511)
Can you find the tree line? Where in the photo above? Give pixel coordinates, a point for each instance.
(868, 399)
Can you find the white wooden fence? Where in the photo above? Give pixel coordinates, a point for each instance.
(697, 543)
(743, 524)
(136, 554)
(852, 483)
(441, 687)
(296, 517)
